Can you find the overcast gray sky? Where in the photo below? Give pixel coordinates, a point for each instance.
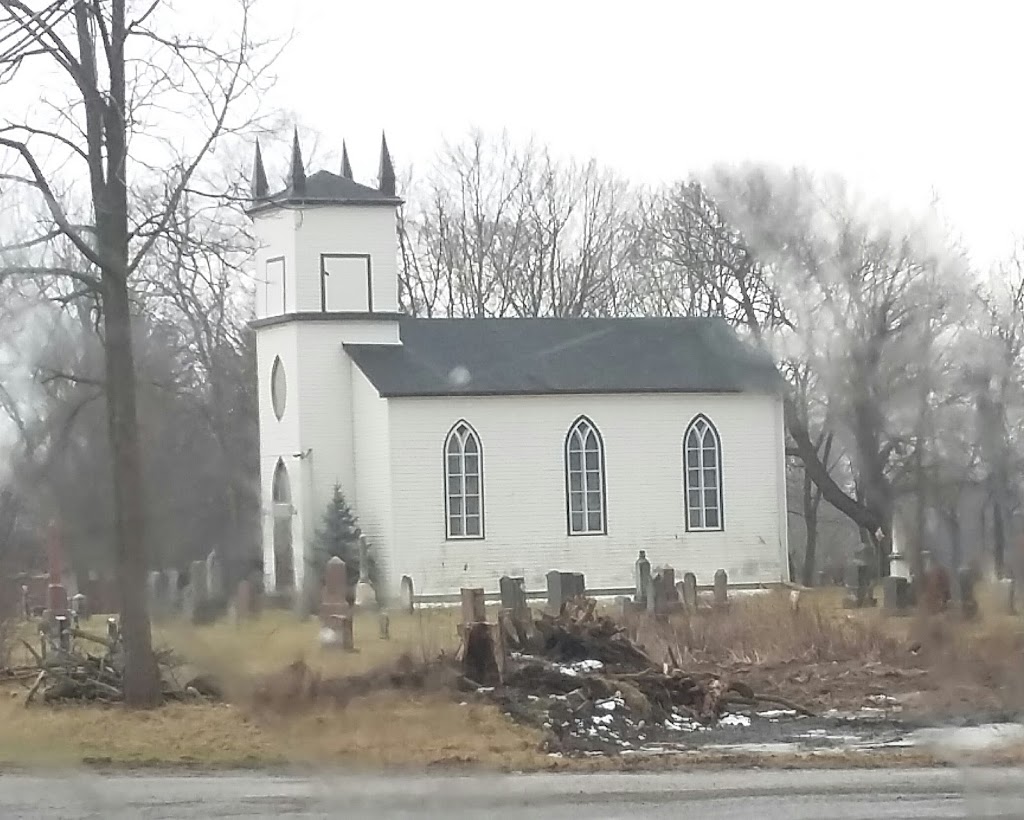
(901, 97)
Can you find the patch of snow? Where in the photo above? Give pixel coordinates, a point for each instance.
(775, 714)
(587, 666)
(568, 671)
(610, 704)
(603, 719)
(484, 690)
(734, 720)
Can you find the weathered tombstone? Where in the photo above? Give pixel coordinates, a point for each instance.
(690, 592)
(407, 595)
(334, 594)
(172, 591)
(366, 595)
(1005, 596)
(574, 585)
(721, 588)
(26, 606)
(966, 583)
(513, 594)
(895, 595)
(214, 577)
(642, 574)
(385, 626)
(474, 610)
(668, 579)
(113, 633)
(336, 633)
(564, 587)
(80, 606)
(57, 599)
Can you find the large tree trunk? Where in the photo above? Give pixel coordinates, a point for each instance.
(141, 680)
(811, 523)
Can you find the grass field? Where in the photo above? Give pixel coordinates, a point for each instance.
(760, 636)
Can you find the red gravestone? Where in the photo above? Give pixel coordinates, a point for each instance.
(57, 599)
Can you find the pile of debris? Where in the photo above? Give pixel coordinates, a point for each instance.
(580, 679)
(65, 670)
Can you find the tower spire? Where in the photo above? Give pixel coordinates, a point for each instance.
(346, 166)
(386, 176)
(258, 185)
(297, 178)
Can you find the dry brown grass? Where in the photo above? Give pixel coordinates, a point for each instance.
(763, 628)
(830, 655)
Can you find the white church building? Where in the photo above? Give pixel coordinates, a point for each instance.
(475, 448)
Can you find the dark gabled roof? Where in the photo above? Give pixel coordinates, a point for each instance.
(325, 188)
(450, 357)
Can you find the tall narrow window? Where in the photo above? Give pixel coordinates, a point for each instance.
(463, 476)
(584, 479)
(702, 453)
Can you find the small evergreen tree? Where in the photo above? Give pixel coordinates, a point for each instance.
(338, 535)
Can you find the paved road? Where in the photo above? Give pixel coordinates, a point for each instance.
(792, 795)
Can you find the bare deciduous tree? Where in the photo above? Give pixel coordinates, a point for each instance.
(134, 98)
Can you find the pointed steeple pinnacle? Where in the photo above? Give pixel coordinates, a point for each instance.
(346, 166)
(386, 175)
(258, 185)
(297, 177)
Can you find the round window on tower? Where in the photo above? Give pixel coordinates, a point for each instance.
(278, 388)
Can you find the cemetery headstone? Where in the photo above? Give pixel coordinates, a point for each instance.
(57, 599)
(197, 588)
(690, 591)
(334, 595)
(385, 627)
(474, 610)
(214, 577)
(668, 578)
(80, 606)
(407, 595)
(26, 605)
(336, 633)
(172, 591)
(642, 574)
(564, 587)
(366, 595)
(113, 631)
(895, 595)
(721, 588)
(513, 594)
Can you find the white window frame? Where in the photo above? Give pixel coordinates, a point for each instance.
(590, 481)
(705, 439)
(457, 474)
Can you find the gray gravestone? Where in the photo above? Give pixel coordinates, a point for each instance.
(895, 595)
(642, 575)
(171, 585)
(407, 595)
(513, 594)
(721, 588)
(214, 577)
(564, 587)
(690, 591)
(80, 606)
